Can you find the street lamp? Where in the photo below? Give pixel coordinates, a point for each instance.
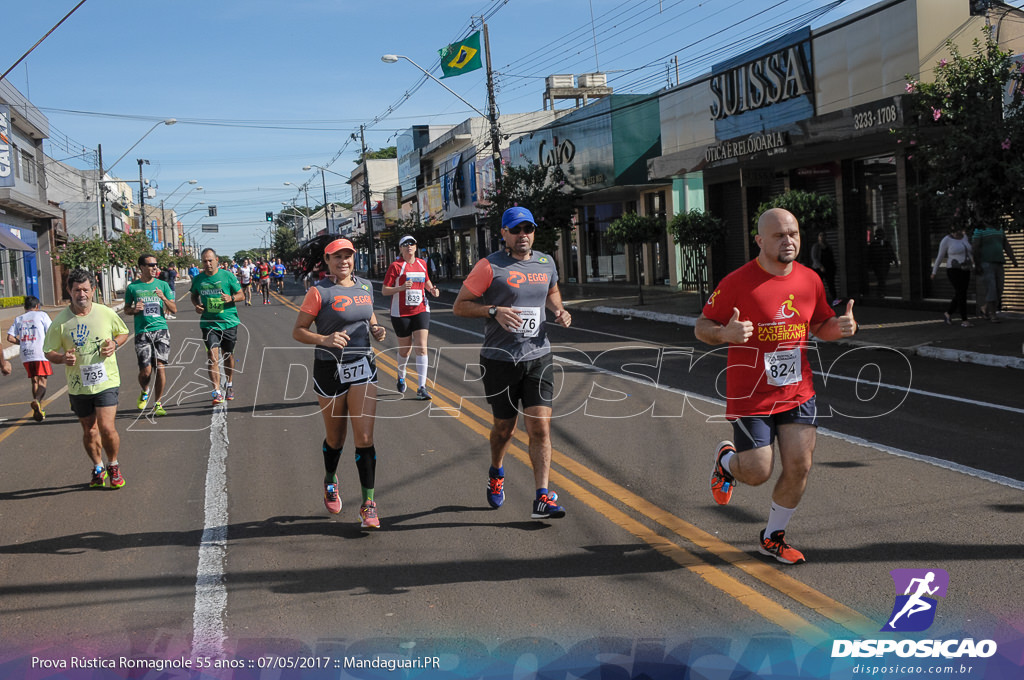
(323, 179)
(183, 198)
(305, 190)
(163, 214)
(169, 121)
(393, 58)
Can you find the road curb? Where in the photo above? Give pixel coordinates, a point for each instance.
(926, 351)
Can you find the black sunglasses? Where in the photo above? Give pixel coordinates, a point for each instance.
(523, 229)
(151, 264)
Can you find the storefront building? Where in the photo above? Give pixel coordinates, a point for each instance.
(818, 110)
(604, 148)
(25, 215)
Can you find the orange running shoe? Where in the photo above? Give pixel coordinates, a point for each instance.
(776, 546)
(722, 482)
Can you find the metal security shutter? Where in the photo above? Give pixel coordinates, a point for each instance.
(1013, 288)
(726, 201)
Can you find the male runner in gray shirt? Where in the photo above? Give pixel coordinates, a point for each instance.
(511, 289)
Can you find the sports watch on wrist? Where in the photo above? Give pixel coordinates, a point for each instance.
(492, 311)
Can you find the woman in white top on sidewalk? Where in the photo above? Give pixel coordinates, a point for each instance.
(956, 250)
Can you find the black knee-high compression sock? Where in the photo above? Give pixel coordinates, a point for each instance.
(366, 464)
(331, 458)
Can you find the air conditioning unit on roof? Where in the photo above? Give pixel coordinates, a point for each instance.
(558, 81)
(594, 80)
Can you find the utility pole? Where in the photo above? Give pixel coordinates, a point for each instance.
(492, 115)
(366, 197)
(492, 111)
(101, 193)
(327, 222)
(142, 197)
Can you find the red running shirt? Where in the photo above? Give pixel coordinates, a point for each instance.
(771, 372)
(412, 301)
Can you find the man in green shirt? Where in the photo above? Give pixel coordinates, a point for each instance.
(84, 338)
(214, 294)
(989, 245)
(149, 300)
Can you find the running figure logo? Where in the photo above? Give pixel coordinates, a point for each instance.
(915, 609)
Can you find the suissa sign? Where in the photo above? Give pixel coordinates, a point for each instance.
(767, 80)
(6, 177)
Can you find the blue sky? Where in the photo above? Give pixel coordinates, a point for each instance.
(261, 88)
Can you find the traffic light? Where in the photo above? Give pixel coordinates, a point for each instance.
(213, 211)
(270, 216)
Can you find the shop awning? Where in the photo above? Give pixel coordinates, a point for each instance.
(9, 241)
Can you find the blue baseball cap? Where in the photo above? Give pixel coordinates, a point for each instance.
(514, 216)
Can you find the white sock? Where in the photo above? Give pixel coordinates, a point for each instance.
(778, 518)
(403, 363)
(421, 368)
(727, 460)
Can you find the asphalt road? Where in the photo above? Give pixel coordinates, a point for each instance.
(219, 543)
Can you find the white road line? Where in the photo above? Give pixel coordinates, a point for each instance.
(211, 594)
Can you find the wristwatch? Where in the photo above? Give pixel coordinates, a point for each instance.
(492, 311)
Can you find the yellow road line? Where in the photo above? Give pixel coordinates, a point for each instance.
(25, 419)
(800, 592)
(756, 602)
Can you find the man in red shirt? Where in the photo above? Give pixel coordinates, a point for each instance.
(765, 311)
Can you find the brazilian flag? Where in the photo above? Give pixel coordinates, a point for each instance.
(461, 57)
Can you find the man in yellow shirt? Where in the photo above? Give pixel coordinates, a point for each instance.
(84, 338)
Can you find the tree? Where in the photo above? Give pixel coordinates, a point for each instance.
(285, 243)
(699, 231)
(968, 134)
(91, 254)
(543, 191)
(125, 251)
(635, 230)
(382, 153)
(813, 212)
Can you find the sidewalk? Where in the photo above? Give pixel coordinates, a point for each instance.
(911, 331)
(923, 333)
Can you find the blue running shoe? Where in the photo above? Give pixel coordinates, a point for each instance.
(495, 491)
(401, 386)
(545, 507)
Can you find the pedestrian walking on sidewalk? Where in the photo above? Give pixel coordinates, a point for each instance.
(955, 249)
(770, 305)
(511, 289)
(28, 331)
(84, 337)
(824, 262)
(989, 246)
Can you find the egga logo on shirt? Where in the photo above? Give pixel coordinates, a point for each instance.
(342, 302)
(516, 278)
(914, 611)
(711, 300)
(787, 310)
